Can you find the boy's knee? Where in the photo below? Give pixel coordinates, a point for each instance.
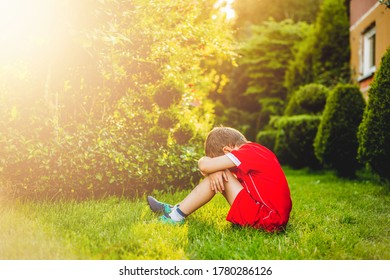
(232, 181)
(230, 175)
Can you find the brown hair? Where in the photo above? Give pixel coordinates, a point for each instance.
(220, 137)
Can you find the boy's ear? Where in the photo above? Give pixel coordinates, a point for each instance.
(227, 149)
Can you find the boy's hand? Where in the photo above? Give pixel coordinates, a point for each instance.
(217, 181)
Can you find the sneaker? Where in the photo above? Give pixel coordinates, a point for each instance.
(159, 207)
(167, 220)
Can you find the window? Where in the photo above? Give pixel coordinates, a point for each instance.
(368, 54)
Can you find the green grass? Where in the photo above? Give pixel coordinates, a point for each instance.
(331, 219)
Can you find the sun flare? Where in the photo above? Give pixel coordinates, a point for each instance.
(25, 25)
(226, 8)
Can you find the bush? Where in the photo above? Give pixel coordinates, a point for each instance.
(167, 95)
(267, 138)
(158, 135)
(183, 134)
(374, 131)
(308, 99)
(124, 155)
(336, 141)
(294, 141)
(269, 107)
(167, 119)
(101, 122)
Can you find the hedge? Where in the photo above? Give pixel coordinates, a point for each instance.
(374, 131)
(267, 138)
(308, 99)
(294, 141)
(336, 141)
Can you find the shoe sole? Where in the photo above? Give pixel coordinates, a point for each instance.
(166, 220)
(155, 205)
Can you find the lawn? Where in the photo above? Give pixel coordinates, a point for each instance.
(331, 219)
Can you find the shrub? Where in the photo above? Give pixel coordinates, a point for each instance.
(159, 135)
(374, 131)
(308, 99)
(336, 141)
(269, 107)
(294, 141)
(120, 156)
(97, 128)
(167, 95)
(267, 138)
(167, 119)
(183, 134)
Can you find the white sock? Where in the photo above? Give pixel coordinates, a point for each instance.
(177, 215)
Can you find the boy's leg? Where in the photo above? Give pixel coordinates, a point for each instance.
(202, 194)
(198, 197)
(232, 188)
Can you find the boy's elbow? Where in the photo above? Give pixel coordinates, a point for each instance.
(202, 165)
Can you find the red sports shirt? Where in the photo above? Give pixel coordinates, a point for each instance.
(260, 173)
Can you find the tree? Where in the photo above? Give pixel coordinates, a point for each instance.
(299, 71)
(254, 12)
(323, 57)
(261, 68)
(266, 54)
(374, 131)
(331, 50)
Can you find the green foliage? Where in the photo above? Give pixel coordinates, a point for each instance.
(158, 135)
(332, 51)
(167, 95)
(385, 2)
(255, 90)
(294, 141)
(266, 55)
(336, 142)
(267, 138)
(245, 122)
(107, 112)
(323, 57)
(300, 69)
(308, 99)
(269, 107)
(374, 131)
(167, 119)
(183, 134)
(254, 12)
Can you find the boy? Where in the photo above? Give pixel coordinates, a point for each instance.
(247, 174)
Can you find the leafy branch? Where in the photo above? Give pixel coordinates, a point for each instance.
(385, 2)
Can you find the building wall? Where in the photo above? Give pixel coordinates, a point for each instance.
(359, 8)
(363, 14)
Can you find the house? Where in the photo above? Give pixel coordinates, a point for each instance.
(369, 39)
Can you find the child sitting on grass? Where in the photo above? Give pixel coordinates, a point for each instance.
(247, 174)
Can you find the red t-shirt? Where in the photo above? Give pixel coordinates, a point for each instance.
(260, 173)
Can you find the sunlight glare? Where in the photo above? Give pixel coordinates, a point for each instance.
(225, 6)
(25, 25)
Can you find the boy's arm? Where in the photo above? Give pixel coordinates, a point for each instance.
(209, 165)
